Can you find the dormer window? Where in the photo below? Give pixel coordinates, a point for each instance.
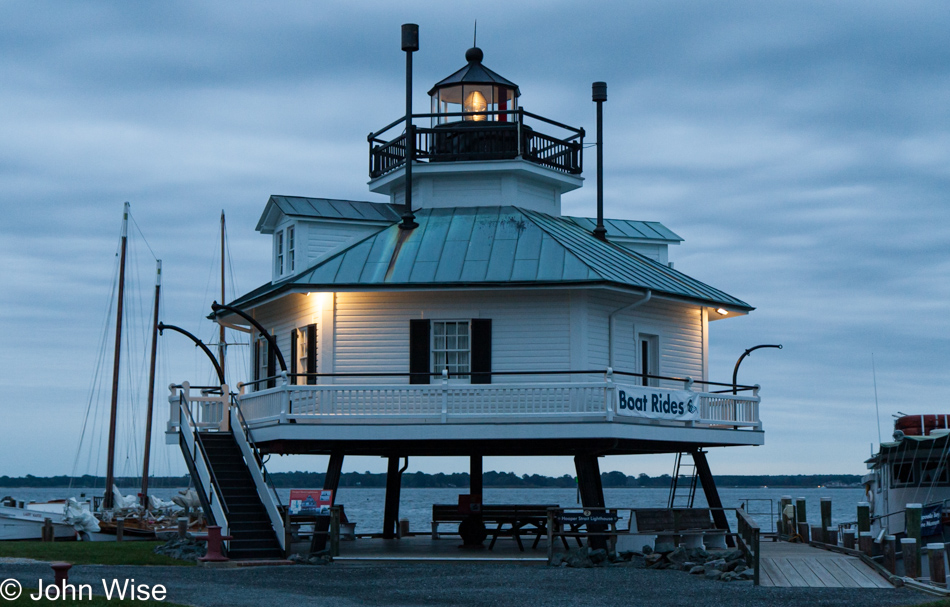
(280, 253)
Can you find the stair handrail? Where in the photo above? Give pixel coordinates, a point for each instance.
(195, 445)
(265, 489)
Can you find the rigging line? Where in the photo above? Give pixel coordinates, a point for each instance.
(95, 382)
(920, 480)
(142, 234)
(938, 471)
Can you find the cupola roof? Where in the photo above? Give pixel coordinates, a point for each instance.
(475, 73)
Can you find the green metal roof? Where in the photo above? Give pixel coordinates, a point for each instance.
(324, 208)
(491, 246)
(626, 228)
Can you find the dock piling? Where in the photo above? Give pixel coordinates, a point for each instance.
(825, 518)
(831, 535)
(847, 538)
(911, 552)
(889, 550)
(119, 529)
(864, 517)
(912, 514)
(938, 574)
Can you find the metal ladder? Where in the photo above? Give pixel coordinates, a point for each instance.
(683, 482)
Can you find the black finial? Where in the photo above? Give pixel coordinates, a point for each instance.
(474, 54)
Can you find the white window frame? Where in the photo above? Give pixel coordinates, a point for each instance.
(652, 341)
(262, 355)
(291, 245)
(279, 243)
(301, 354)
(458, 372)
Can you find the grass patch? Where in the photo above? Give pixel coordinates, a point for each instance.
(96, 601)
(91, 553)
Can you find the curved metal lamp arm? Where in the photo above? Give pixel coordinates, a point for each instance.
(199, 343)
(735, 372)
(215, 307)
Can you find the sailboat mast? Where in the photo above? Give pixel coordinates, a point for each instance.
(221, 342)
(151, 383)
(110, 465)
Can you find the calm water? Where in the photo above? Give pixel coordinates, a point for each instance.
(365, 506)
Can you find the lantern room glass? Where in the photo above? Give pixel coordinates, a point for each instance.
(487, 101)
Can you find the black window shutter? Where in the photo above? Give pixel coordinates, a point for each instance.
(271, 363)
(419, 351)
(293, 355)
(311, 353)
(481, 350)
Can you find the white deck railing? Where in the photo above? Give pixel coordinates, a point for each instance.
(448, 403)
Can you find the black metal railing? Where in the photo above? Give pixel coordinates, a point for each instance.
(480, 140)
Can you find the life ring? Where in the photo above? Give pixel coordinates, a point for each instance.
(869, 495)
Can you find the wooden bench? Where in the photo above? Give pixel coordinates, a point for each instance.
(501, 520)
(678, 523)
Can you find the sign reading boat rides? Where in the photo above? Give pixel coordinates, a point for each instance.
(656, 403)
(310, 502)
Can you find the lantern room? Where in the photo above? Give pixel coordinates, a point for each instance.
(474, 93)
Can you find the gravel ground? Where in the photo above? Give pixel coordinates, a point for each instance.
(444, 583)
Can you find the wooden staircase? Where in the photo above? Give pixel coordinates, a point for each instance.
(248, 522)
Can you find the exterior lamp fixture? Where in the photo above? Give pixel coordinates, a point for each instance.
(722, 311)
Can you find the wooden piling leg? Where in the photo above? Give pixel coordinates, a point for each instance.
(831, 536)
(864, 517)
(911, 552)
(866, 542)
(912, 514)
(47, 533)
(889, 550)
(803, 531)
(825, 518)
(592, 493)
(783, 521)
(847, 538)
(331, 482)
(119, 529)
(938, 574)
(391, 504)
(712, 495)
(801, 516)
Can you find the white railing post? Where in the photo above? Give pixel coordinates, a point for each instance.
(284, 396)
(173, 408)
(445, 394)
(225, 424)
(609, 394)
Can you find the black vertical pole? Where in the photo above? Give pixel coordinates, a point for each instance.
(331, 482)
(393, 486)
(151, 383)
(712, 494)
(475, 472)
(592, 492)
(599, 95)
(410, 44)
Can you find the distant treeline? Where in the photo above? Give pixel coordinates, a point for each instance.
(421, 479)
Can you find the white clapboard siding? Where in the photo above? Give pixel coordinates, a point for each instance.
(326, 237)
(281, 317)
(679, 327)
(530, 330)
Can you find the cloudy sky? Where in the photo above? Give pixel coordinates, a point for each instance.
(800, 148)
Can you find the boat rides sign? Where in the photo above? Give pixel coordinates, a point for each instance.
(656, 403)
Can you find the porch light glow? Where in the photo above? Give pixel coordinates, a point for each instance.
(722, 311)
(475, 102)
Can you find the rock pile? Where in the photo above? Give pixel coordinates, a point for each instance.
(583, 558)
(182, 549)
(315, 559)
(725, 566)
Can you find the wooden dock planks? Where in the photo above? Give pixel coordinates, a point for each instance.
(799, 566)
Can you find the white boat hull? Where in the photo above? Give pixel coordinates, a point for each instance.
(27, 524)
